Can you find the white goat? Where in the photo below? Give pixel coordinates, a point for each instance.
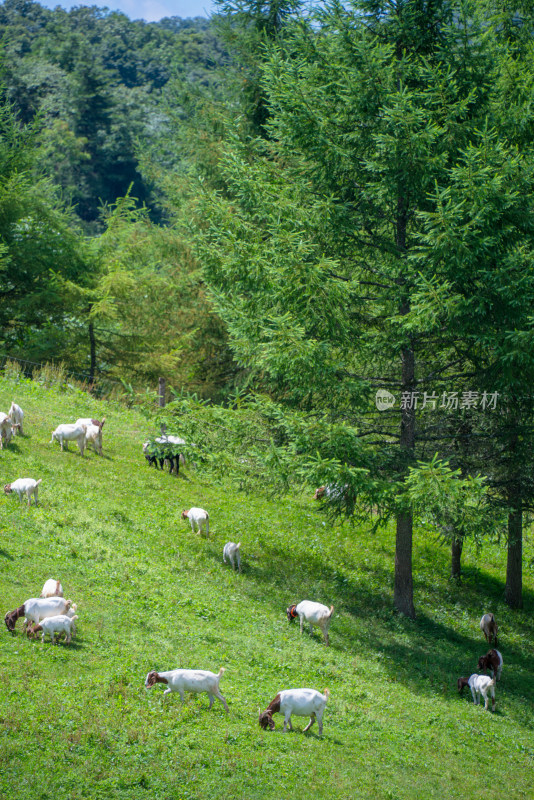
(314, 613)
(52, 625)
(301, 703)
(70, 433)
(93, 433)
(52, 588)
(481, 686)
(25, 486)
(231, 552)
(188, 680)
(6, 429)
(17, 416)
(199, 519)
(36, 609)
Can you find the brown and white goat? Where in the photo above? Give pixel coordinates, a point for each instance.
(24, 486)
(52, 588)
(189, 680)
(301, 703)
(52, 625)
(481, 686)
(489, 628)
(35, 609)
(199, 519)
(314, 614)
(493, 661)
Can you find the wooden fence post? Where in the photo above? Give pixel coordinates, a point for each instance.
(161, 392)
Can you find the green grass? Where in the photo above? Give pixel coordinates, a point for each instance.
(76, 722)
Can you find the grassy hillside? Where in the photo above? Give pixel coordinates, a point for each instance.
(76, 722)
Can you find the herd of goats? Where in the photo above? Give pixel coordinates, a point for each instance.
(50, 614)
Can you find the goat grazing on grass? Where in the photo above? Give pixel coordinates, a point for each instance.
(52, 588)
(35, 609)
(199, 519)
(188, 680)
(314, 613)
(163, 449)
(70, 433)
(481, 686)
(493, 661)
(6, 429)
(489, 628)
(17, 416)
(24, 486)
(231, 553)
(52, 625)
(301, 703)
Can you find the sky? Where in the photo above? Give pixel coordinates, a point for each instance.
(149, 10)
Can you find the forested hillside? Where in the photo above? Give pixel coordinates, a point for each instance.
(83, 101)
(93, 79)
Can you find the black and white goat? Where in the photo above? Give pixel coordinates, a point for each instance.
(164, 449)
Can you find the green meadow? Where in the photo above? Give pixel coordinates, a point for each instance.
(77, 722)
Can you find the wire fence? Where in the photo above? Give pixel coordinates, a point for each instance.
(28, 367)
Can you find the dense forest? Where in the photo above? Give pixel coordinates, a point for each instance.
(321, 211)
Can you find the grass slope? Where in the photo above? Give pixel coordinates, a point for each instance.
(76, 722)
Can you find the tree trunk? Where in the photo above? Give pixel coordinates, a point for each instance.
(403, 589)
(514, 565)
(457, 544)
(403, 585)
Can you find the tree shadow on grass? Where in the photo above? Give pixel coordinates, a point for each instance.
(5, 554)
(425, 655)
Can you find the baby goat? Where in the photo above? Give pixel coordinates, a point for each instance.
(52, 588)
(301, 702)
(25, 486)
(52, 625)
(492, 660)
(231, 552)
(481, 686)
(188, 680)
(489, 628)
(199, 519)
(314, 613)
